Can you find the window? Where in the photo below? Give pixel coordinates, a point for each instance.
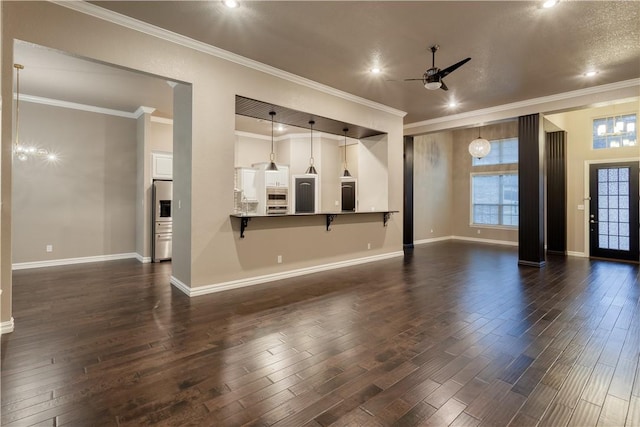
(503, 151)
(494, 199)
(613, 132)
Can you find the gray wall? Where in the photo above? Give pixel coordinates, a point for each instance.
(432, 184)
(84, 204)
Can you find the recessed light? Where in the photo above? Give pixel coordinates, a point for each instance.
(452, 104)
(375, 70)
(549, 4)
(590, 73)
(231, 3)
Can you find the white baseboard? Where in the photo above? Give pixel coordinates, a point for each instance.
(180, 285)
(577, 254)
(6, 327)
(251, 281)
(432, 240)
(143, 259)
(491, 241)
(69, 261)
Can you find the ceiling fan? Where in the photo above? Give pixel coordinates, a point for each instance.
(432, 78)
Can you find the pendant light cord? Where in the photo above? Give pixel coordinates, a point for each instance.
(311, 123)
(345, 147)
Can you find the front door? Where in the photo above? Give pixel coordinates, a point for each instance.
(613, 210)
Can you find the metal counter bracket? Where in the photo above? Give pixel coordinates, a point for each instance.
(330, 218)
(244, 223)
(385, 218)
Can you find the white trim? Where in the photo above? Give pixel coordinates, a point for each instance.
(432, 240)
(6, 327)
(161, 33)
(528, 103)
(69, 261)
(340, 139)
(76, 106)
(577, 254)
(253, 135)
(180, 285)
(491, 241)
(143, 110)
(163, 120)
(143, 259)
(251, 281)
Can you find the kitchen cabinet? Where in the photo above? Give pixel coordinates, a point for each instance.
(161, 165)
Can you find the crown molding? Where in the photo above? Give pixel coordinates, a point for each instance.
(143, 110)
(170, 36)
(76, 106)
(590, 91)
(162, 120)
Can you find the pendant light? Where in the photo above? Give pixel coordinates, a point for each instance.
(479, 147)
(311, 169)
(21, 152)
(346, 171)
(272, 165)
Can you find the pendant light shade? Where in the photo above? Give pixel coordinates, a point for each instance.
(272, 165)
(346, 171)
(479, 147)
(311, 169)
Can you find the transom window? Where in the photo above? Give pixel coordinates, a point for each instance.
(614, 132)
(503, 151)
(495, 199)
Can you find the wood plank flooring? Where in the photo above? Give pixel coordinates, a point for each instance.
(455, 334)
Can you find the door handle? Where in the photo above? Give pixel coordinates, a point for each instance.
(593, 221)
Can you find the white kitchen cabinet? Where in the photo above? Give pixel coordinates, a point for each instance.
(161, 165)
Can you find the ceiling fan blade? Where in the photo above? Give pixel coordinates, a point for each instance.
(444, 86)
(410, 80)
(448, 70)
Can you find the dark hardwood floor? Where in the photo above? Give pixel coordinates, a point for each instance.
(456, 334)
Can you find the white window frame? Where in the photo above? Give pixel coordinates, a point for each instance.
(471, 204)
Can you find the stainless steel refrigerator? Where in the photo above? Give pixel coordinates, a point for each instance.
(162, 220)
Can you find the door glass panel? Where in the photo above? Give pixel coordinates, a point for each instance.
(624, 243)
(602, 175)
(624, 188)
(603, 241)
(613, 202)
(603, 215)
(603, 202)
(624, 175)
(613, 175)
(624, 230)
(613, 242)
(624, 216)
(613, 188)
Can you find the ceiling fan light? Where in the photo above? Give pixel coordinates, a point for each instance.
(433, 85)
(479, 148)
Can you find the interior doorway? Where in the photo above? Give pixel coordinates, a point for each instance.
(613, 211)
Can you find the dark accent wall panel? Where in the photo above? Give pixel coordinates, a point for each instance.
(531, 141)
(407, 238)
(557, 192)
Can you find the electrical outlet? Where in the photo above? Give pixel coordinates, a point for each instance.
(432, 230)
(279, 259)
(478, 231)
(337, 203)
(49, 248)
(368, 245)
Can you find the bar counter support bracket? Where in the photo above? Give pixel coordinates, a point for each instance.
(330, 218)
(385, 218)
(244, 223)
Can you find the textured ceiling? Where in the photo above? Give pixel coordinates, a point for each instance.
(519, 50)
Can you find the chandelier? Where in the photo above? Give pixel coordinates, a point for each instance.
(25, 152)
